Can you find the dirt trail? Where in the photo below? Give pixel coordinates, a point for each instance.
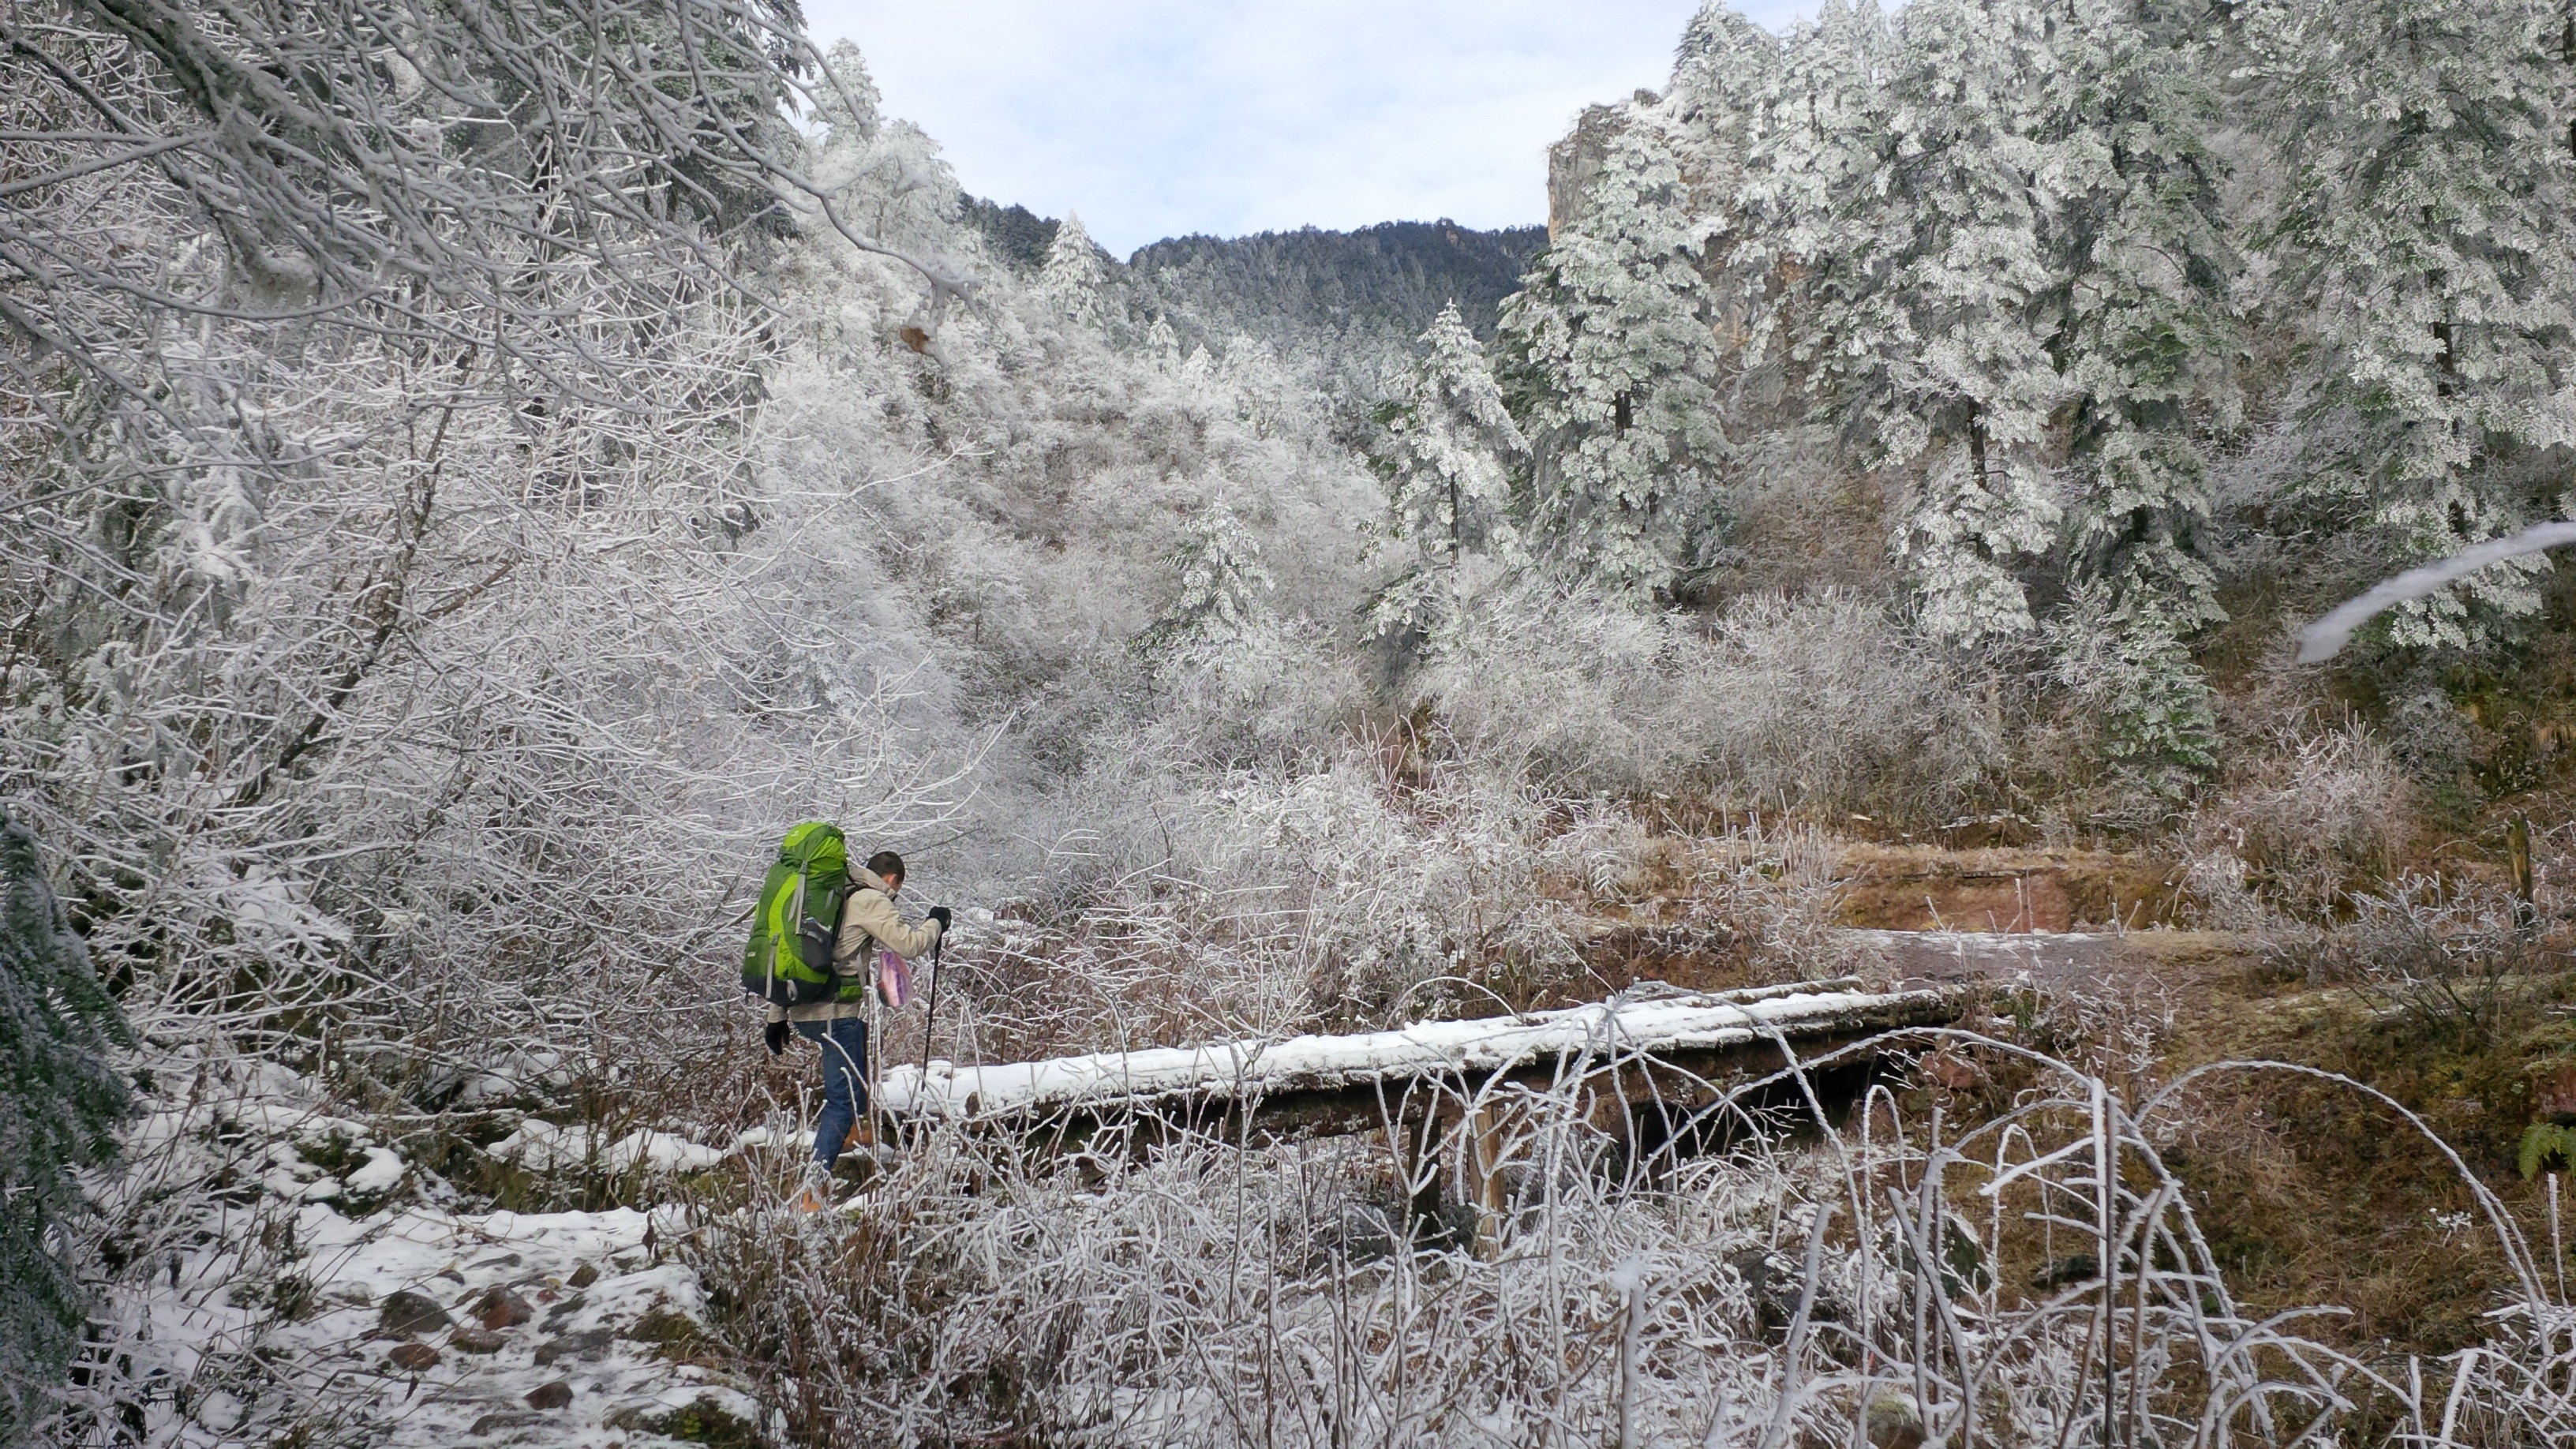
(1920, 915)
(1928, 888)
(2071, 919)
(2073, 960)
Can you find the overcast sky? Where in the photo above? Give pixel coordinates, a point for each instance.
(1156, 118)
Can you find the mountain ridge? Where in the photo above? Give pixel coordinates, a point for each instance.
(1390, 278)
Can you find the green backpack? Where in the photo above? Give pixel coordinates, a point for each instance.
(789, 960)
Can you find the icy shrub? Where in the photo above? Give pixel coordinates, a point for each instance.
(2307, 824)
(1822, 703)
(1416, 900)
(1277, 693)
(1262, 900)
(1596, 1290)
(2429, 734)
(2146, 704)
(1785, 893)
(1556, 683)
(1744, 901)
(2454, 966)
(1826, 703)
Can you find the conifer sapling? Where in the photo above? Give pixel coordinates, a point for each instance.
(59, 1102)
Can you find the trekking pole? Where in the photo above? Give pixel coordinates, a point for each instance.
(930, 1014)
(876, 1074)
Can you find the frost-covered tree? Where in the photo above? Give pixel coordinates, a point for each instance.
(2426, 246)
(1993, 239)
(1074, 277)
(1726, 78)
(1266, 389)
(1809, 124)
(884, 176)
(1448, 442)
(471, 357)
(60, 1100)
(1608, 359)
(847, 101)
(1923, 305)
(2147, 337)
(1222, 584)
(910, 191)
(1821, 122)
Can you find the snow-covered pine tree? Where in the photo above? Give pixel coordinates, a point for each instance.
(2428, 241)
(1221, 587)
(2013, 233)
(1725, 70)
(1608, 360)
(1252, 371)
(1814, 126)
(2148, 343)
(846, 98)
(1921, 307)
(1725, 78)
(1823, 119)
(59, 1101)
(2148, 336)
(1448, 438)
(1073, 278)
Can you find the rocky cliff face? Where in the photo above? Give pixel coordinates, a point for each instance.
(1573, 162)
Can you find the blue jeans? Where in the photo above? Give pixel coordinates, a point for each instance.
(845, 1081)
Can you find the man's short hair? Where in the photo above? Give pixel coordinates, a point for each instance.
(886, 864)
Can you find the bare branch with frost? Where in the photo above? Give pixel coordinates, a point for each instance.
(2325, 638)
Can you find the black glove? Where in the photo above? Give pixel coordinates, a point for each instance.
(940, 914)
(776, 1036)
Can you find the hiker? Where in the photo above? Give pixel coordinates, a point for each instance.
(840, 1025)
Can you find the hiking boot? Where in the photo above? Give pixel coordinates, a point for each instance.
(814, 1189)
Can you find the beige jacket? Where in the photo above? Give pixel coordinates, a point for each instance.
(868, 920)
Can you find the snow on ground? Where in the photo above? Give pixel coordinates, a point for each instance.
(1679, 1021)
(541, 1146)
(504, 1328)
(324, 1285)
(357, 1281)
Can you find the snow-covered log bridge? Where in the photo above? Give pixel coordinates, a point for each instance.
(1456, 1100)
(1676, 1050)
